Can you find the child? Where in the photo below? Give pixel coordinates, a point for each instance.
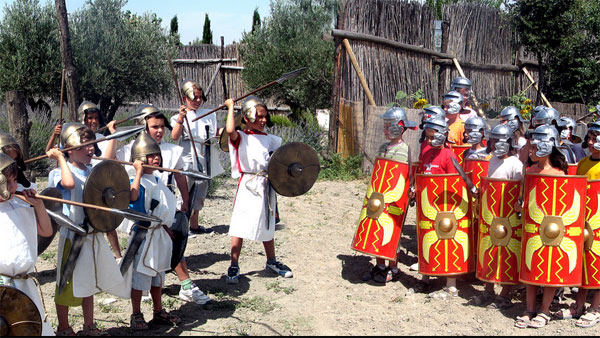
(568, 137)
(395, 124)
(504, 165)
(250, 151)
(589, 166)
(438, 160)
(10, 147)
(475, 131)
(202, 130)
(150, 196)
(453, 104)
(550, 161)
(95, 269)
(511, 116)
(463, 86)
(20, 225)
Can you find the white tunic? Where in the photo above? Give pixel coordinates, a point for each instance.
(171, 158)
(158, 246)
(18, 226)
(199, 133)
(96, 269)
(252, 217)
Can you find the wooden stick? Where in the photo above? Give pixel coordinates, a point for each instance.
(60, 116)
(359, 71)
(546, 102)
(460, 71)
(79, 204)
(131, 163)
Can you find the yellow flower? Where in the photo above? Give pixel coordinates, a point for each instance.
(485, 105)
(420, 103)
(527, 101)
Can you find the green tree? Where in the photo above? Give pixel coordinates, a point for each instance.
(255, 20)
(174, 31)
(207, 36)
(289, 39)
(120, 56)
(30, 52)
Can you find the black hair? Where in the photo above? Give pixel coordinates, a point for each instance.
(558, 160)
(584, 144)
(11, 171)
(158, 115)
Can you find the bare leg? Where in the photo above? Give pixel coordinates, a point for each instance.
(595, 300)
(547, 298)
(182, 271)
(270, 249)
(505, 292)
(136, 300)
(236, 249)
(581, 298)
(62, 312)
(531, 296)
(155, 293)
(87, 306)
(194, 219)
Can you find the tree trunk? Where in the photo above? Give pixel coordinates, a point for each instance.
(18, 121)
(67, 59)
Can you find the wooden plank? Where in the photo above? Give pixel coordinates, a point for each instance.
(201, 61)
(345, 132)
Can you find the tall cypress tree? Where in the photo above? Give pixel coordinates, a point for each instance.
(207, 37)
(255, 20)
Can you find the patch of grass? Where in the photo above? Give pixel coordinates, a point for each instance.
(277, 288)
(398, 300)
(257, 304)
(297, 324)
(241, 330)
(334, 167)
(215, 184)
(48, 255)
(108, 308)
(169, 302)
(123, 241)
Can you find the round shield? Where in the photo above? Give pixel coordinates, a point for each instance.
(18, 314)
(224, 137)
(44, 242)
(293, 169)
(180, 229)
(107, 186)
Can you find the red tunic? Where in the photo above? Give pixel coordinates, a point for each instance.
(436, 161)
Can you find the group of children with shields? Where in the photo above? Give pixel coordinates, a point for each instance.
(86, 262)
(512, 205)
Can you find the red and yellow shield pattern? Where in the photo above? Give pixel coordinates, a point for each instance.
(459, 151)
(591, 237)
(499, 246)
(444, 230)
(384, 210)
(552, 243)
(572, 169)
(478, 169)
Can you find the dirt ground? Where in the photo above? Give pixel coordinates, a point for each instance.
(326, 296)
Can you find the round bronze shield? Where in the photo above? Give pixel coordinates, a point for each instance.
(293, 169)
(107, 186)
(18, 314)
(44, 242)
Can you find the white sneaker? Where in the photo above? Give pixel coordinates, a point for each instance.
(194, 295)
(281, 269)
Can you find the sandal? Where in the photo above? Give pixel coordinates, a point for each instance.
(523, 321)
(164, 318)
(589, 319)
(500, 303)
(539, 321)
(66, 332)
(137, 322)
(93, 331)
(569, 313)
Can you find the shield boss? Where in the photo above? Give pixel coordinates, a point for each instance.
(18, 314)
(293, 169)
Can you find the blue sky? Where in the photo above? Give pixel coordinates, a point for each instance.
(228, 18)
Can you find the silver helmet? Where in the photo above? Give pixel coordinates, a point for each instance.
(504, 135)
(430, 112)
(545, 137)
(473, 127)
(456, 100)
(511, 115)
(396, 116)
(545, 115)
(460, 82)
(568, 130)
(439, 124)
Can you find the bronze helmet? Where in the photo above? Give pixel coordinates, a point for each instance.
(5, 161)
(7, 139)
(86, 107)
(149, 110)
(144, 145)
(187, 90)
(69, 136)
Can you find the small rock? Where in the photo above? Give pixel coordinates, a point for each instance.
(410, 292)
(107, 301)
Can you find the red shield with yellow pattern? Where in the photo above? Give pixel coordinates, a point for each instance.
(416, 168)
(552, 243)
(591, 237)
(500, 231)
(478, 169)
(384, 209)
(459, 151)
(572, 169)
(444, 230)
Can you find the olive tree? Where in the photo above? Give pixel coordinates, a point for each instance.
(119, 55)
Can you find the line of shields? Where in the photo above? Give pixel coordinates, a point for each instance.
(551, 244)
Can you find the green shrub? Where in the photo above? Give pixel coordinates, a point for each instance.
(281, 120)
(334, 167)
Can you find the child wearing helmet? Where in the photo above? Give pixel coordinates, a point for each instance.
(395, 123)
(475, 132)
(453, 104)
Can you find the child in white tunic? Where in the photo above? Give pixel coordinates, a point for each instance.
(254, 205)
(153, 256)
(96, 269)
(20, 225)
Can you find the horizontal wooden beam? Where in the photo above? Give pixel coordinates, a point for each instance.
(442, 58)
(197, 61)
(232, 67)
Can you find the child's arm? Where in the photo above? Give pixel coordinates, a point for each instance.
(178, 127)
(44, 226)
(230, 125)
(53, 137)
(113, 239)
(111, 150)
(134, 191)
(66, 177)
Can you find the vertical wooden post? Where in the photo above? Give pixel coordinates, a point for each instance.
(442, 84)
(225, 92)
(362, 79)
(67, 58)
(18, 121)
